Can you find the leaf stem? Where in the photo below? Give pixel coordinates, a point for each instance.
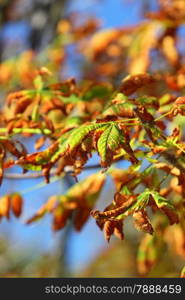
(26, 130)
(162, 116)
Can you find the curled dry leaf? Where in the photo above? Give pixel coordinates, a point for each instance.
(142, 222)
(111, 227)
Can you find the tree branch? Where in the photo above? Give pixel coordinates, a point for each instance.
(26, 130)
(39, 174)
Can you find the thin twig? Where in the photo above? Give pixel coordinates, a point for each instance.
(39, 174)
(26, 130)
(27, 175)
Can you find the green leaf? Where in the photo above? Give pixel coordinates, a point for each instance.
(117, 108)
(136, 167)
(147, 171)
(35, 113)
(147, 100)
(164, 99)
(73, 121)
(67, 142)
(125, 190)
(141, 202)
(143, 198)
(110, 139)
(32, 167)
(71, 99)
(98, 91)
(80, 133)
(75, 138)
(159, 200)
(121, 97)
(151, 160)
(38, 83)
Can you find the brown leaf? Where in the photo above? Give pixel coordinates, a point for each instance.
(39, 142)
(171, 214)
(10, 127)
(22, 105)
(5, 206)
(108, 229)
(113, 213)
(170, 50)
(142, 222)
(81, 216)
(60, 218)
(122, 177)
(16, 204)
(144, 115)
(15, 96)
(10, 146)
(118, 230)
(49, 123)
(132, 83)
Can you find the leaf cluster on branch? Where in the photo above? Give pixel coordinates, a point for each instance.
(139, 120)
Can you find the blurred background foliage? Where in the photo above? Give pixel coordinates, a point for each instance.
(55, 34)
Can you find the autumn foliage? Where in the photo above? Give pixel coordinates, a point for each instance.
(127, 105)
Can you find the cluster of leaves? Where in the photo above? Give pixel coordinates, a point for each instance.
(140, 121)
